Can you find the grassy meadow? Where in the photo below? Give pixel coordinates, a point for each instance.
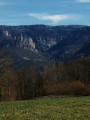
(69, 108)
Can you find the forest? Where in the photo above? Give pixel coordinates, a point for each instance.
(71, 78)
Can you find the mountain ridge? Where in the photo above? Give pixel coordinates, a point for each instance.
(40, 43)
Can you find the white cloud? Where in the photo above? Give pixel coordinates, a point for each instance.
(3, 3)
(55, 18)
(83, 1)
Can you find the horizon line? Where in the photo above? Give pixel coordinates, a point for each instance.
(48, 25)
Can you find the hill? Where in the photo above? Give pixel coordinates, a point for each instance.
(37, 44)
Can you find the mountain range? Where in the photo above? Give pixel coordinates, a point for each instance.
(38, 44)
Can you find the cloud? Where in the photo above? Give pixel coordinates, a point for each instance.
(66, 3)
(83, 1)
(3, 3)
(55, 18)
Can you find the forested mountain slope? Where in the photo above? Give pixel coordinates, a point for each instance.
(40, 43)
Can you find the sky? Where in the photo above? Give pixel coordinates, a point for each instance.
(48, 12)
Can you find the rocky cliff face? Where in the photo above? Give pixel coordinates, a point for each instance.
(39, 43)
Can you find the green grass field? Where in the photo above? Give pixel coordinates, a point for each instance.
(70, 108)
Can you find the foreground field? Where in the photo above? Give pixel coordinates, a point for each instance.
(72, 108)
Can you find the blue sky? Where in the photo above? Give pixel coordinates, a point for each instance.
(49, 12)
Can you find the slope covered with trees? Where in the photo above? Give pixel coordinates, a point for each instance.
(70, 78)
(36, 44)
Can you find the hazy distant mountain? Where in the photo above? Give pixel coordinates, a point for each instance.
(41, 43)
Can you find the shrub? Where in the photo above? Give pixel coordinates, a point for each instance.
(78, 88)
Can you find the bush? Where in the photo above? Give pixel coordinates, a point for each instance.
(88, 91)
(62, 89)
(78, 88)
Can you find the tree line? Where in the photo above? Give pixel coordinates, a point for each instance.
(70, 78)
